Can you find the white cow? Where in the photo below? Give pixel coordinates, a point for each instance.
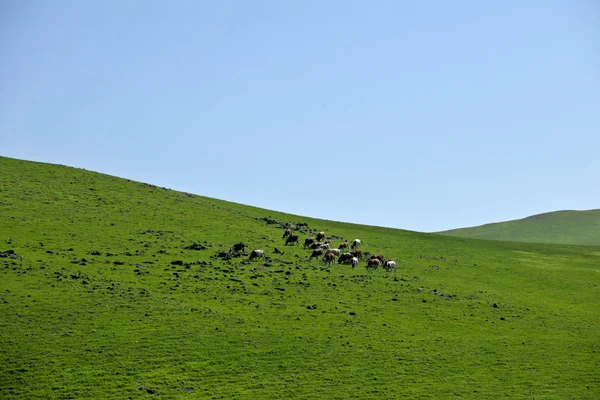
(257, 254)
(356, 243)
(334, 251)
(389, 265)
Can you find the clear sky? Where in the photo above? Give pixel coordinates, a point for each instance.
(421, 115)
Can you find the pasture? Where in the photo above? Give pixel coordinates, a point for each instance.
(111, 288)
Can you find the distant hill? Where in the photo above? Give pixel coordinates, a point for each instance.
(564, 227)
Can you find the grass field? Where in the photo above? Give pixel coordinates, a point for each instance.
(102, 299)
(560, 227)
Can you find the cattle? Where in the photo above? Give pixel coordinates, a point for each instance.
(329, 257)
(324, 246)
(238, 247)
(321, 235)
(334, 251)
(354, 262)
(373, 263)
(389, 265)
(316, 245)
(345, 258)
(317, 253)
(356, 244)
(308, 242)
(378, 256)
(357, 253)
(343, 245)
(257, 254)
(287, 232)
(293, 239)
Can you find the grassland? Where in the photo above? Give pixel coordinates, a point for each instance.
(561, 227)
(103, 300)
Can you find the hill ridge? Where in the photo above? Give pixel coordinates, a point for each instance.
(578, 227)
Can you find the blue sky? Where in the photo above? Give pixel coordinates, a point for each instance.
(425, 115)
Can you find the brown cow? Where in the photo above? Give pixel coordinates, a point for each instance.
(378, 256)
(373, 263)
(357, 253)
(329, 257)
(343, 246)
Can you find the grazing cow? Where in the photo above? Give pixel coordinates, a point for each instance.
(324, 246)
(308, 242)
(329, 257)
(317, 253)
(356, 244)
(354, 262)
(292, 239)
(334, 251)
(238, 247)
(389, 265)
(257, 254)
(321, 235)
(373, 263)
(345, 258)
(343, 245)
(379, 257)
(287, 232)
(316, 245)
(357, 253)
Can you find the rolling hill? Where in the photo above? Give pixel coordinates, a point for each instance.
(561, 227)
(113, 289)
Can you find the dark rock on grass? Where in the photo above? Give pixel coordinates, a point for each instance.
(195, 246)
(311, 306)
(177, 262)
(118, 262)
(110, 254)
(277, 251)
(269, 221)
(94, 253)
(9, 254)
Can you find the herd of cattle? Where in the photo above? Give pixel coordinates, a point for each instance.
(321, 248)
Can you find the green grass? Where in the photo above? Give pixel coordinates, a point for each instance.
(560, 227)
(459, 318)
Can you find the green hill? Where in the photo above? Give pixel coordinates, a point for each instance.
(113, 289)
(562, 227)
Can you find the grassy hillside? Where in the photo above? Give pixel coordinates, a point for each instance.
(103, 298)
(563, 227)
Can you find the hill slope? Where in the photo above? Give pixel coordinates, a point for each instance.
(113, 289)
(562, 227)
